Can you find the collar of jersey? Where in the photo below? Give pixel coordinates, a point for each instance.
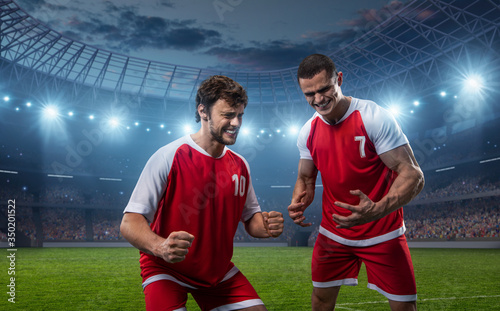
(195, 146)
(351, 108)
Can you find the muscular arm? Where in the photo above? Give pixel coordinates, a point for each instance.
(136, 230)
(406, 186)
(303, 193)
(410, 180)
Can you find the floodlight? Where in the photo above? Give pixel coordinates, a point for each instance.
(188, 129)
(394, 110)
(473, 84)
(6, 98)
(293, 130)
(28, 104)
(114, 122)
(50, 112)
(443, 94)
(71, 113)
(416, 103)
(91, 117)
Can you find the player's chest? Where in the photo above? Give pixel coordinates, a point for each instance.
(343, 144)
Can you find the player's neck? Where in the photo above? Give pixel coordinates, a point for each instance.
(212, 147)
(339, 112)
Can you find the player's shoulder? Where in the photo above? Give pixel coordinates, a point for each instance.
(173, 146)
(369, 107)
(309, 122)
(168, 151)
(236, 156)
(371, 112)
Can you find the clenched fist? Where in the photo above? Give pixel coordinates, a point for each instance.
(273, 221)
(175, 247)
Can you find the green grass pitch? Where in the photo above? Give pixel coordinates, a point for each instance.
(108, 279)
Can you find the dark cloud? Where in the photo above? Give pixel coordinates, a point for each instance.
(137, 32)
(165, 3)
(283, 54)
(73, 35)
(30, 5)
(263, 56)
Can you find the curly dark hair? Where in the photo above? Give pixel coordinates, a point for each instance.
(219, 87)
(314, 64)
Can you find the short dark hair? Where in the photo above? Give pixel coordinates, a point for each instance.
(314, 64)
(219, 87)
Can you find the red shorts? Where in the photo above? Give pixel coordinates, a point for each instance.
(234, 293)
(388, 266)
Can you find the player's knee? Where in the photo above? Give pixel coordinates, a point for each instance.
(403, 306)
(322, 302)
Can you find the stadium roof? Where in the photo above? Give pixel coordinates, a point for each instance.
(416, 49)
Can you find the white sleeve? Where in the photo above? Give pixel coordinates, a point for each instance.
(302, 140)
(383, 130)
(251, 205)
(150, 186)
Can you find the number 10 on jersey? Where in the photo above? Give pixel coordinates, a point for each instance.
(240, 183)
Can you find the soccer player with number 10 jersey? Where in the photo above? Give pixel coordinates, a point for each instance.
(185, 209)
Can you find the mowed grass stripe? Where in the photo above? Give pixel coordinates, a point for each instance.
(108, 279)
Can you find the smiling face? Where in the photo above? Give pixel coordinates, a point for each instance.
(224, 121)
(323, 93)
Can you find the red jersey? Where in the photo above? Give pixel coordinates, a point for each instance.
(183, 188)
(347, 156)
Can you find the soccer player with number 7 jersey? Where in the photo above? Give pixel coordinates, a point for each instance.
(368, 172)
(185, 209)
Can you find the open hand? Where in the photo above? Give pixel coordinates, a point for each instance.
(362, 213)
(296, 211)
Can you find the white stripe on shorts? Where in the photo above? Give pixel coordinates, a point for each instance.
(239, 305)
(159, 277)
(404, 298)
(348, 282)
(168, 277)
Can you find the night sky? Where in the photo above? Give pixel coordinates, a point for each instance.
(244, 35)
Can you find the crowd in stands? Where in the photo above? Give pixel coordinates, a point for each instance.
(460, 186)
(451, 220)
(64, 203)
(458, 220)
